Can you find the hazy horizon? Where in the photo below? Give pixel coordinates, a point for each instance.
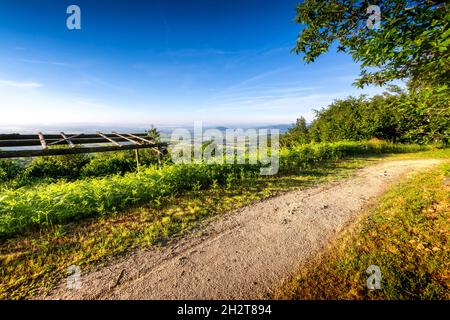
(91, 128)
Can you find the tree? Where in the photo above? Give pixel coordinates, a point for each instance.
(300, 130)
(151, 155)
(398, 116)
(154, 134)
(344, 119)
(298, 134)
(411, 41)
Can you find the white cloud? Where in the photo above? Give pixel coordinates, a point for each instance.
(16, 84)
(54, 63)
(41, 108)
(273, 105)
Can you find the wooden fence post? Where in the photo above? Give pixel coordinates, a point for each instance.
(138, 159)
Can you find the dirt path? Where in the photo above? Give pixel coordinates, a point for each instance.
(247, 252)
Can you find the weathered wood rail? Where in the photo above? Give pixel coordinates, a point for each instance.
(99, 142)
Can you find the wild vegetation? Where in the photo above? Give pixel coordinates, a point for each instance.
(70, 167)
(414, 116)
(64, 201)
(60, 202)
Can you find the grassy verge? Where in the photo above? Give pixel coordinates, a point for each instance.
(406, 235)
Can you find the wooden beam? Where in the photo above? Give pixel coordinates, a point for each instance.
(60, 141)
(52, 142)
(55, 152)
(138, 159)
(109, 139)
(123, 137)
(157, 150)
(140, 138)
(48, 137)
(68, 140)
(42, 140)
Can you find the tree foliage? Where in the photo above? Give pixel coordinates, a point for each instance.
(411, 42)
(154, 134)
(418, 116)
(299, 133)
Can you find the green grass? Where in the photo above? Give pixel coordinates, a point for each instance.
(406, 235)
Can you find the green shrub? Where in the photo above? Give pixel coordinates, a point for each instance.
(64, 166)
(407, 116)
(9, 170)
(308, 155)
(61, 202)
(109, 163)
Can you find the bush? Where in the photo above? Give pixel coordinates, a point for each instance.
(9, 170)
(308, 155)
(64, 166)
(414, 116)
(109, 163)
(61, 202)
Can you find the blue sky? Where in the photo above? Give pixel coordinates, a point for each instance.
(168, 62)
